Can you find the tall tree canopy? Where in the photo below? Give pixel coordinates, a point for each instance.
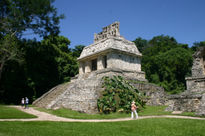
(45, 65)
(77, 50)
(141, 44)
(166, 62)
(19, 16)
(197, 45)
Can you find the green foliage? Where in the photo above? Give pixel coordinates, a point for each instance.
(45, 64)
(77, 50)
(48, 64)
(166, 63)
(118, 94)
(141, 44)
(61, 42)
(197, 45)
(9, 51)
(39, 16)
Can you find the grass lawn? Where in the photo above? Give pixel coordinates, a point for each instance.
(145, 127)
(149, 110)
(77, 115)
(13, 113)
(154, 110)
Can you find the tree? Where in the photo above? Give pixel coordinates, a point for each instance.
(9, 51)
(19, 16)
(48, 64)
(45, 65)
(167, 62)
(141, 44)
(173, 66)
(60, 41)
(77, 50)
(197, 45)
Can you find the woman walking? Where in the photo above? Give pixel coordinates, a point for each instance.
(134, 110)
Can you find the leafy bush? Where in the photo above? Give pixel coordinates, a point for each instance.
(117, 96)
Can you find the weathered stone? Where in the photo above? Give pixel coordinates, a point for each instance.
(196, 83)
(201, 109)
(184, 102)
(108, 31)
(198, 68)
(155, 94)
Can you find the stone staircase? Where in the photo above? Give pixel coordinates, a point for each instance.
(80, 95)
(51, 95)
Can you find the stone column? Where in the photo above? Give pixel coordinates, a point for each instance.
(81, 68)
(138, 64)
(109, 60)
(88, 66)
(100, 62)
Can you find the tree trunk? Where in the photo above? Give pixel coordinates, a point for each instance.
(1, 68)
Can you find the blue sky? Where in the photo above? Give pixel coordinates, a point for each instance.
(182, 19)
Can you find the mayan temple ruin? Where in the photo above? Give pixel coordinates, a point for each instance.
(110, 54)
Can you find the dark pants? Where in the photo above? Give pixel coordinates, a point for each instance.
(26, 106)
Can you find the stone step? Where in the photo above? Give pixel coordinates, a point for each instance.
(82, 87)
(50, 95)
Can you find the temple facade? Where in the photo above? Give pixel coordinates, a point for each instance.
(111, 51)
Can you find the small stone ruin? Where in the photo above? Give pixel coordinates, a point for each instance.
(196, 83)
(193, 99)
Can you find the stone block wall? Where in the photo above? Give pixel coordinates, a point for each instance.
(124, 61)
(115, 60)
(155, 94)
(195, 84)
(185, 102)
